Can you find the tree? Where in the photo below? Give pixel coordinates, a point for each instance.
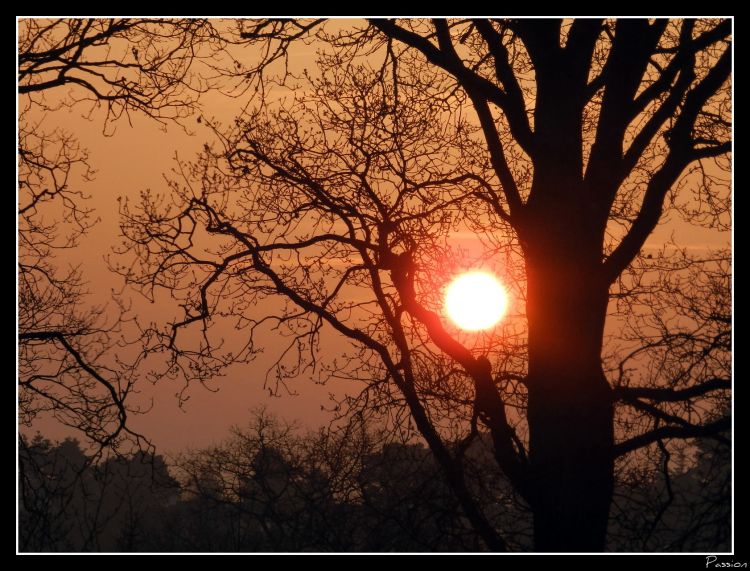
(50, 484)
(67, 361)
(562, 144)
(269, 487)
(72, 503)
(678, 497)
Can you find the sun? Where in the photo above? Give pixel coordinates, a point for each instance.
(476, 300)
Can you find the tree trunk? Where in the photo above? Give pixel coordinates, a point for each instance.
(570, 410)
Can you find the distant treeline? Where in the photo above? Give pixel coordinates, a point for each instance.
(268, 488)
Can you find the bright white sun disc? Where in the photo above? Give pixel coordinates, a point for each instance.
(476, 301)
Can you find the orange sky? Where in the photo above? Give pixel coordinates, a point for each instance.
(133, 159)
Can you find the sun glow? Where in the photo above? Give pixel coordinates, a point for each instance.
(476, 301)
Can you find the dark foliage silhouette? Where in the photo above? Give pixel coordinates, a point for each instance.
(270, 488)
(70, 502)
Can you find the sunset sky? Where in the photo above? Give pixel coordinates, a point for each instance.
(493, 256)
(136, 156)
(133, 158)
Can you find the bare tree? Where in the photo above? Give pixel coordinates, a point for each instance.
(67, 363)
(72, 502)
(270, 486)
(562, 144)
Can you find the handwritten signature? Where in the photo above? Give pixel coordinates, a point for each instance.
(713, 561)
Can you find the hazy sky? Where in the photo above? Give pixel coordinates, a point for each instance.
(135, 158)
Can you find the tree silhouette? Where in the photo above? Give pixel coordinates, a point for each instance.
(108, 70)
(50, 483)
(561, 144)
(69, 502)
(330, 213)
(270, 487)
(119, 67)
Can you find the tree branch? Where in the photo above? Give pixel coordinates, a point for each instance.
(711, 430)
(515, 106)
(685, 51)
(672, 395)
(680, 155)
(489, 406)
(116, 398)
(621, 77)
(449, 61)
